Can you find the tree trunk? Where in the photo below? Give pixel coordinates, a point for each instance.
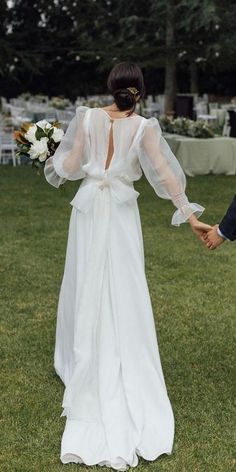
(194, 77)
(170, 64)
(170, 86)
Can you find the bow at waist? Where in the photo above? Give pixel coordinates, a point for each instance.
(120, 189)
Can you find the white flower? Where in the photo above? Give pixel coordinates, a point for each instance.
(57, 134)
(39, 149)
(30, 135)
(44, 124)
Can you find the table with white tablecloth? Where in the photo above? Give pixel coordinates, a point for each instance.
(204, 156)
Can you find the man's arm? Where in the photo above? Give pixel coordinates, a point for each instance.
(226, 230)
(227, 225)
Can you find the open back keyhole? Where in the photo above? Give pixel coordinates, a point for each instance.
(110, 151)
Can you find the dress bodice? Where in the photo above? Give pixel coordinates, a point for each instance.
(138, 146)
(125, 131)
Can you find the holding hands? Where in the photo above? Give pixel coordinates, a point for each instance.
(208, 235)
(212, 238)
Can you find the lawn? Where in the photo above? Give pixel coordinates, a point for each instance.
(193, 291)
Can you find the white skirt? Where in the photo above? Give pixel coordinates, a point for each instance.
(106, 352)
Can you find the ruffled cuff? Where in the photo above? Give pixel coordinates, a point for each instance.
(52, 177)
(182, 214)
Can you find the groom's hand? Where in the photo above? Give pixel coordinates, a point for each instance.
(212, 239)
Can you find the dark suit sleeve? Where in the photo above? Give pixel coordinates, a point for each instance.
(228, 224)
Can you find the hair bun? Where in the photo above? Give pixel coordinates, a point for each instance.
(124, 98)
(125, 82)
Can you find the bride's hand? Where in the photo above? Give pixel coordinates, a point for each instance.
(199, 228)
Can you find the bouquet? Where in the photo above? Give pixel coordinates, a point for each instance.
(38, 141)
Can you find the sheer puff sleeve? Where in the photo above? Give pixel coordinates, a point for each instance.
(66, 163)
(163, 171)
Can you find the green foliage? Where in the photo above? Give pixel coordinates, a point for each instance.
(80, 41)
(40, 133)
(186, 127)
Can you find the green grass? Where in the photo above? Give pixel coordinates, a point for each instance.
(193, 293)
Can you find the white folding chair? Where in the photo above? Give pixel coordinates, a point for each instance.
(5, 105)
(226, 127)
(153, 109)
(50, 115)
(80, 101)
(201, 109)
(213, 106)
(64, 117)
(7, 149)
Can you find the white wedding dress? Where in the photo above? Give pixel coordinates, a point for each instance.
(106, 352)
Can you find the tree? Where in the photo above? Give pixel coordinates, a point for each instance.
(5, 50)
(189, 30)
(65, 46)
(170, 63)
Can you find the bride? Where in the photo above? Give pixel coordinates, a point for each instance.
(106, 352)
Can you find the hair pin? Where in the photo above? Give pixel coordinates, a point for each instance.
(133, 90)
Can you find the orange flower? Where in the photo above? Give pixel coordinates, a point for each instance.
(26, 126)
(19, 137)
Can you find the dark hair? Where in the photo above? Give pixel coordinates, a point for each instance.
(122, 76)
